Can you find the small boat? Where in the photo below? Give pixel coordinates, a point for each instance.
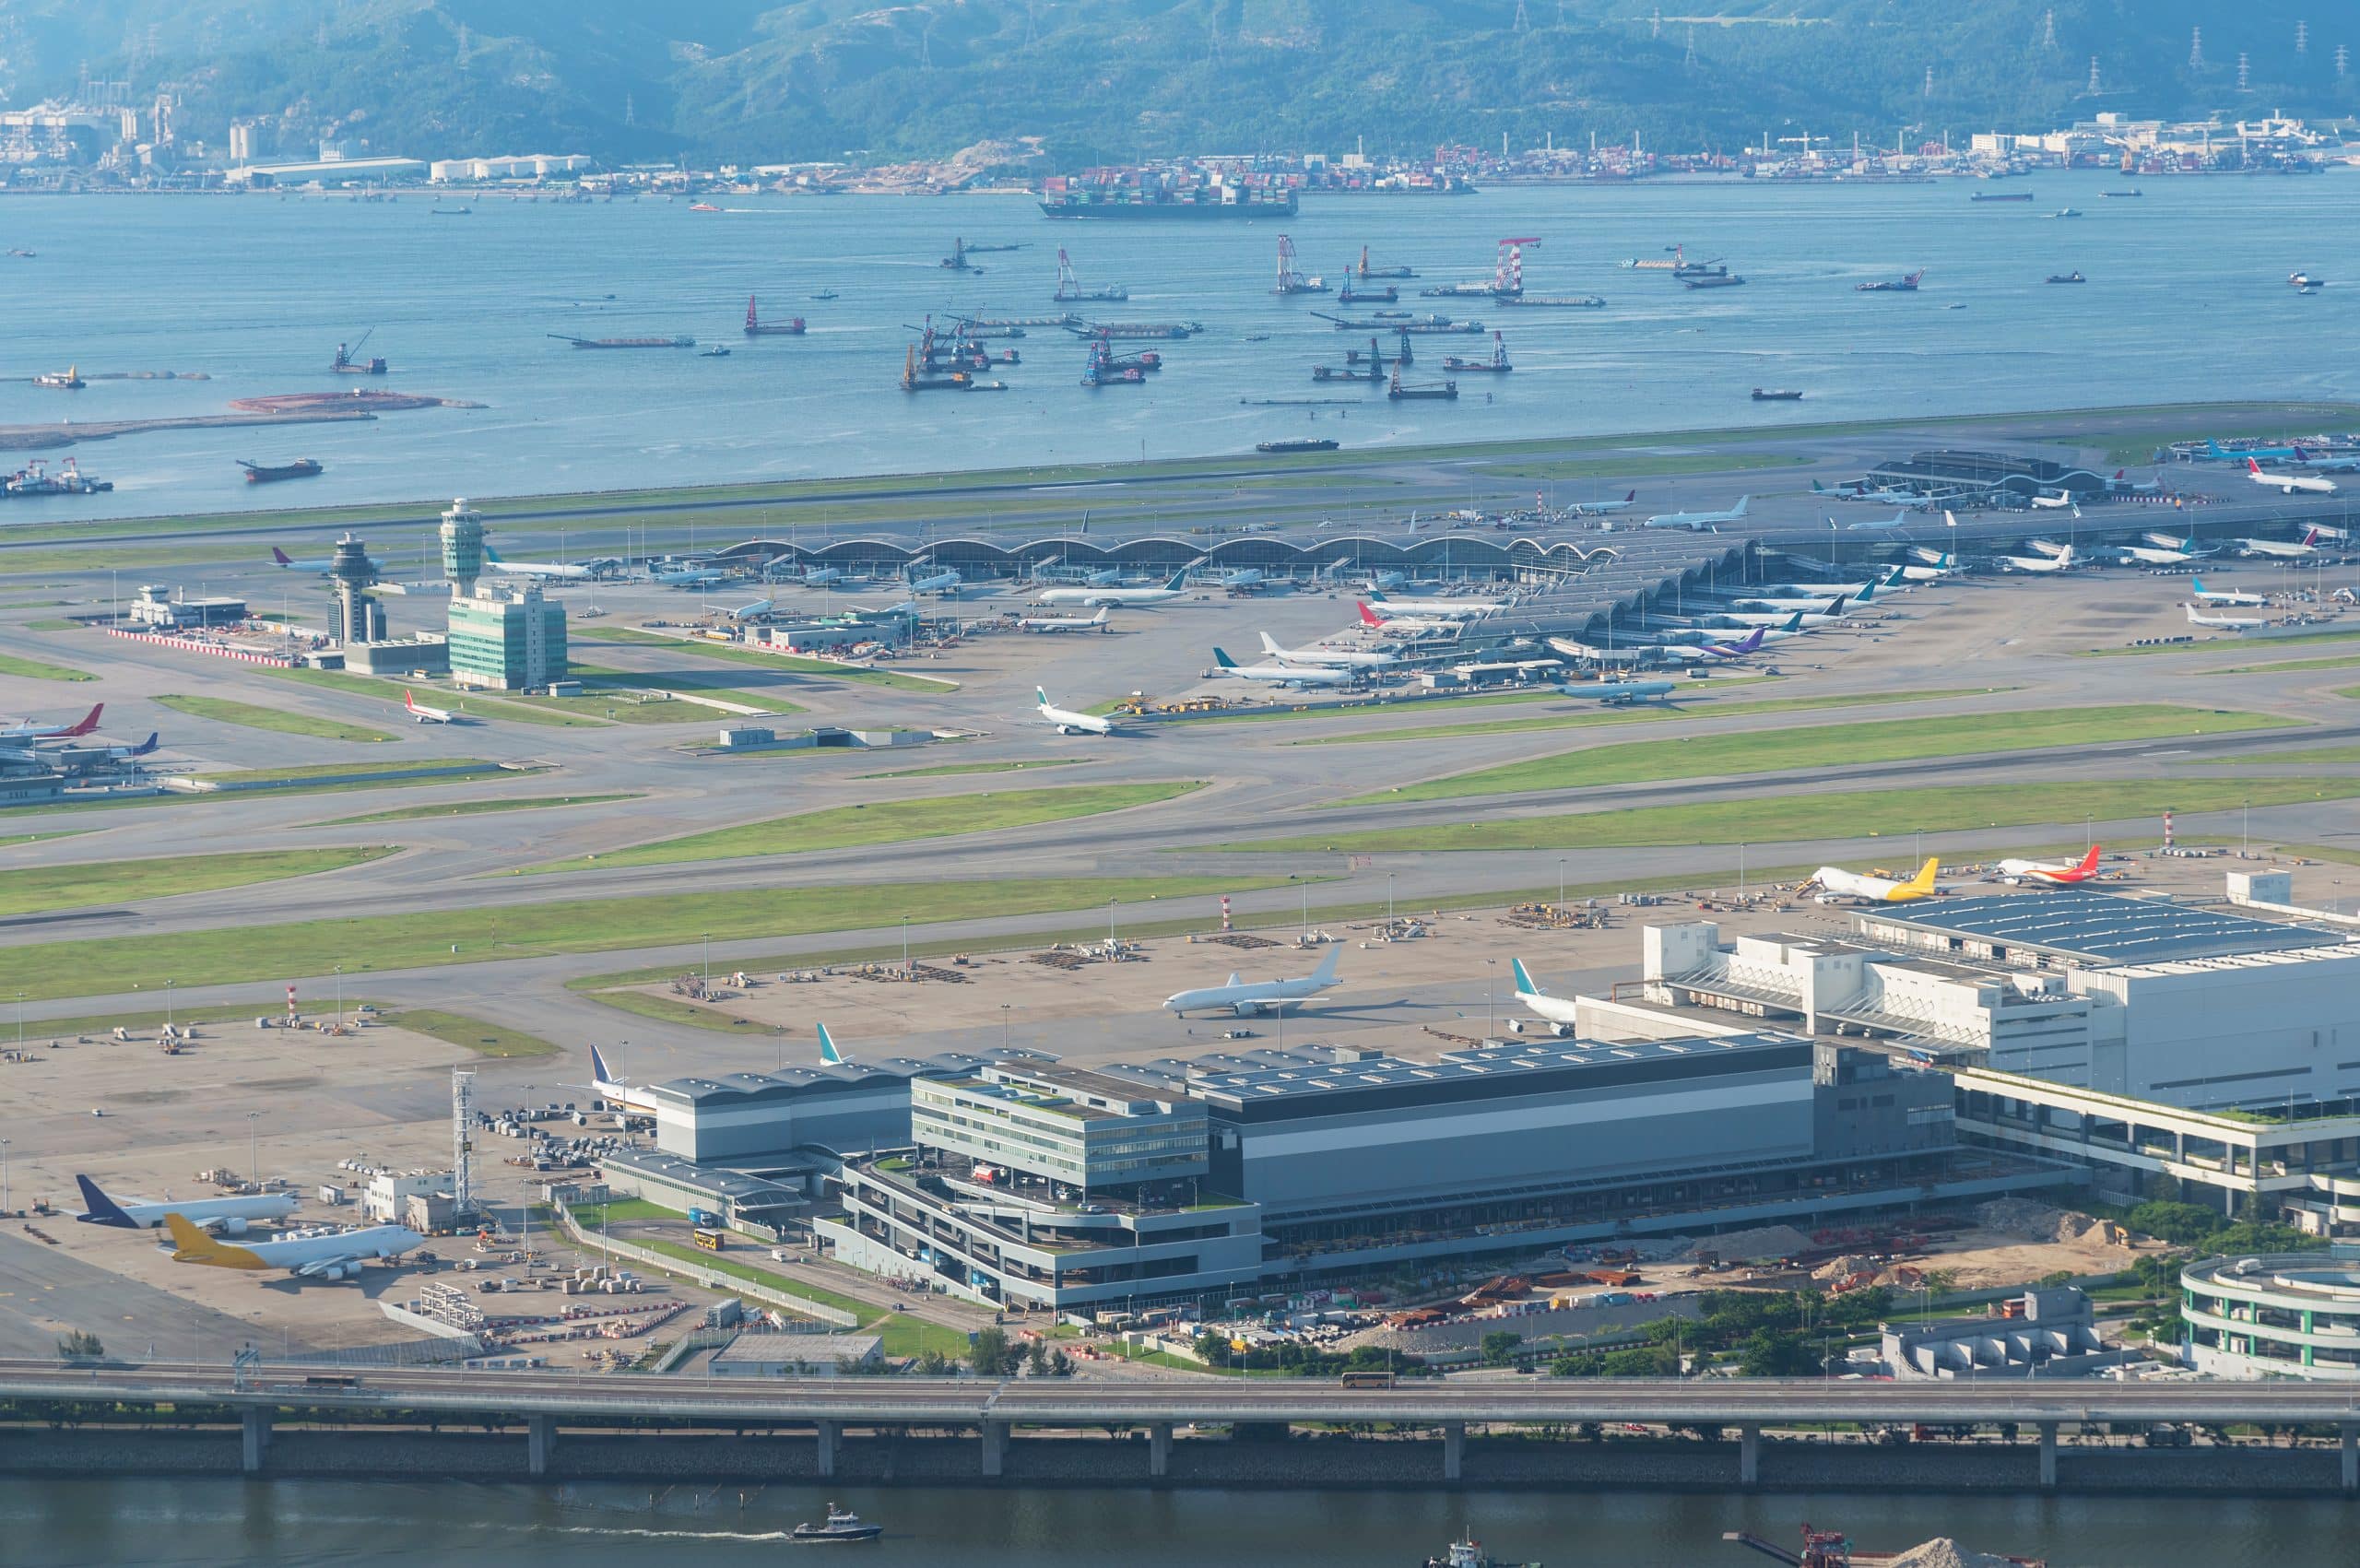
(843, 1524)
(2303, 282)
(2067, 278)
(2066, 212)
(2128, 193)
(449, 211)
(2002, 196)
(1776, 395)
(703, 207)
(825, 294)
(19, 251)
(1469, 1553)
(715, 352)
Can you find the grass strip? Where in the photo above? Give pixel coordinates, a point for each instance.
(2289, 667)
(152, 1023)
(1847, 815)
(331, 772)
(672, 1010)
(868, 1313)
(472, 704)
(1894, 740)
(1596, 717)
(888, 821)
(250, 716)
(793, 663)
(2211, 646)
(476, 808)
(35, 669)
(949, 769)
(236, 953)
(596, 681)
(468, 1034)
(33, 890)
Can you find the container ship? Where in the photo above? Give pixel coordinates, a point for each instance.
(1204, 203)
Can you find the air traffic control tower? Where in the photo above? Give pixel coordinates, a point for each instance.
(354, 616)
(462, 548)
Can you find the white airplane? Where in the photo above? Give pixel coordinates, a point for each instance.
(2154, 555)
(2122, 484)
(1599, 508)
(1787, 622)
(1281, 674)
(2050, 547)
(426, 716)
(1250, 997)
(546, 568)
(1242, 577)
(1934, 571)
(1699, 521)
(1381, 580)
(1837, 882)
(2042, 501)
(943, 582)
(2287, 484)
(1619, 694)
(2053, 873)
(1405, 625)
(33, 753)
(2280, 549)
(689, 577)
(1055, 623)
(339, 1255)
(1066, 721)
(1172, 589)
(2223, 622)
(748, 612)
(227, 1216)
(2320, 463)
(2065, 562)
(29, 730)
(1448, 609)
(2202, 594)
(285, 563)
(1873, 524)
(612, 1089)
(1350, 658)
(1884, 496)
(1556, 1010)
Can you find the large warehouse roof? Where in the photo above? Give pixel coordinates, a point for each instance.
(2087, 926)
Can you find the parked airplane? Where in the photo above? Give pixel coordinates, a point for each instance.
(29, 730)
(611, 1088)
(2223, 596)
(2218, 453)
(336, 1256)
(1619, 694)
(2320, 463)
(809, 577)
(2280, 549)
(1885, 495)
(1069, 722)
(1448, 609)
(1601, 508)
(1933, 570)
(1748, 643)
(2065, 562)
(943, 582)
(828, 1052)
(2053, 873)
(1250, 997)
(1787, 622)
(2059, 502)
(690, 577)
(2223, 622)
(555, 571)
(2049, 547)
(1380, 581)
(1351, 658)
(1556, 1010)
(1837, 882)
(227, 1216)
(1055, 623)
(1874, 524)
(1171, 590)
(2155, 555)
(2122, 484)
(1281, 674)
(1405, 625)
(2287, 484)
(748, 612)
(1699, 521)
(426, 716)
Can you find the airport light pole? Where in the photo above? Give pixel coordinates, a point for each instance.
(254, 1163)
(1388, 897)
(339, 998)
(6, 1206)
(1561, 881)
(1491, 997)
(168, 1004)
(1003, 1026)
(20, 1021)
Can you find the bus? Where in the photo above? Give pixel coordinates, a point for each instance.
(709, 1239)
(1368, 1380)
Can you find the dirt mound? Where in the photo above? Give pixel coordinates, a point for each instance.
(2039, 1222)
(1843, 1267)
(1766, 1243)
(1944, 1552)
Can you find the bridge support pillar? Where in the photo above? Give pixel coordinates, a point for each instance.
(2351, 1457)
(541, 1436)
(2048, 1455)
(1749, 1454)
(1454, 1450)
(828, 1432)
(254, 1435)
(995, 1447)
(1158, 1450)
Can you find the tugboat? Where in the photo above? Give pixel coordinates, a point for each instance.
(843, 1524)
(1469, 1553)
(2304, 283)
(69, 379)
(1905, 285)
(717, 351)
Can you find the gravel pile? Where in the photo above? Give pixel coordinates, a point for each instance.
(1944, 1552)
(1765, 1245)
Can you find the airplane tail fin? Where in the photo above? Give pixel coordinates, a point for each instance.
(1369, 617)
(1794, 622)
(1326, 974)
(1868, 591)
(490, 554)
(2252, 466)
(2196, 584)
(828, 1052)
(1738, 510)
(90, 720)
(2312, 537)
(1630, 496)
(1271, 645)
(2191, 614)
(1753, 640)
(1043, 693)
(1524, 982)
(1818, 489)
(598, 1073)
(2090, 861)
(192, 1245)
(1924, 881)
(102, 1209)
(407, 701)
(281, 556)
(1175, 581)
(1223, 660)
(1100, 618)
(155, 738)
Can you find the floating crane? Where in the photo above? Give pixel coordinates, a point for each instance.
(1070, 286)
(1290, 280)
(348, 362)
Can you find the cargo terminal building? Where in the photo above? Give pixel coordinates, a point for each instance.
(2134, 1037)
(1051, 1186)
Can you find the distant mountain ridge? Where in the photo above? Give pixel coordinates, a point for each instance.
(1115, 80)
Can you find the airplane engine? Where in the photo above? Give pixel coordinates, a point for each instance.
(332, 1271)
(233, 1227)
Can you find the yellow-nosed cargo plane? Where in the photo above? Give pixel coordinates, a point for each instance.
(332, 1255)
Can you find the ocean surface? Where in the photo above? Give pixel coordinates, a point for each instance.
(2187, 298)
(201, 1524)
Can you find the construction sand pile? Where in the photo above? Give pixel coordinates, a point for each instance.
(1944, 1552)
(1767, 1243)
(1843, 1267)
(2039, 1222)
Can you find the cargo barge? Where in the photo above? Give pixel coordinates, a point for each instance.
(1445, 392)
(1555, 302)
(1172, 330)
(682, 341)
(1203, 205)
(757, 327)
(270, 473)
